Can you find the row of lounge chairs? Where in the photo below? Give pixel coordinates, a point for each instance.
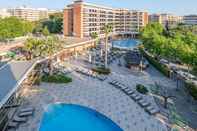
(91, 74)
(20, 117)
(136, 97)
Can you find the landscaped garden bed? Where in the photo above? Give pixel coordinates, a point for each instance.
(192, 88)
(141, 89)
(56, 78)
(102, 70)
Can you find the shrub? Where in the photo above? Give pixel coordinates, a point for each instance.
(192, 89)
(57, 78)
(102, 70)
(141, 89)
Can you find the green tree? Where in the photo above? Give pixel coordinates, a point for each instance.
(12, 27)
(45, 31)
(30, 47)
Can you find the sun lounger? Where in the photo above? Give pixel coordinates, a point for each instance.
(13, 124)
(27, 109)
(137, 98)
(152, 110)
(19, 119)
(24, 114)
(133, 95)
(118, 85)
(126, 89)
(130, 92)
(143, 103)
(112, 82)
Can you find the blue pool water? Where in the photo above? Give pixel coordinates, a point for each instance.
(68, 117)
(131, 43)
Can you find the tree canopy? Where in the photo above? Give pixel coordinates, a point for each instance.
(54, 24)
(12, 27)
(179, 43)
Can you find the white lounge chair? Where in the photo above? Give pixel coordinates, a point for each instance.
(143, 103)
(137, 98)
(130, 92)
(152, 110)
(126, 89)
(27, 109)
(25, 114)
(13, 124)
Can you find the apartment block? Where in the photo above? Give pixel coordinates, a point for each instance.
(190, 19)
(164, 19)
(4, 13)
(30, 14)
(81, 19)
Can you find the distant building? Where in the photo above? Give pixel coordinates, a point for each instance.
(30, 14)
(155, 18)
(164, 19)
(190, 19)
(54, 11)
(82, 19)
(4, 13)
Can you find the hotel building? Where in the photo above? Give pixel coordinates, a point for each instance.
(190, 19)
(164, 19)
(30, 14)
(81, 19)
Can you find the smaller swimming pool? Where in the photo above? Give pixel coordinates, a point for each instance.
(129, 43)
(69, 117)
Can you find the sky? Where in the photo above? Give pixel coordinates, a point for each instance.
(177, 7)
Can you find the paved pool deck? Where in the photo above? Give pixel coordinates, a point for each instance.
(99, 96)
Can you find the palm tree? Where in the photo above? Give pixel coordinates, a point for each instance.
(94, 35)
(30, 46)
(107, 30)
(51, 46)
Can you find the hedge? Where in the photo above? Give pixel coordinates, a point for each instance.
(102, 70)
(162, 68)
(192, 88)
(57, 78)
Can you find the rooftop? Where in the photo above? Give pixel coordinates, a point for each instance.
(11, 75)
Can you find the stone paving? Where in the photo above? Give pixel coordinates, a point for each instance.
(100, 96)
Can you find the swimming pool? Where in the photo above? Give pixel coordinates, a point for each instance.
(130, 43)
(69, 117)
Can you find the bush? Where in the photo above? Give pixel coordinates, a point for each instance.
(57, 78)
(163, 69)
(102, 70)
(141, 89)
(192, 89)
